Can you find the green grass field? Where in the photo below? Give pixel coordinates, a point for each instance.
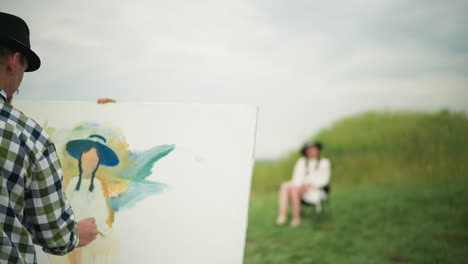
(399, 195)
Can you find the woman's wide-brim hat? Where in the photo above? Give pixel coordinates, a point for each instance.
(14, 34)
(307, 145)
(107, 157)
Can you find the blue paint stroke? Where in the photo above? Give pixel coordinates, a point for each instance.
(138, 169)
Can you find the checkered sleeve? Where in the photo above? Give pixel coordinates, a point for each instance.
(46, 207)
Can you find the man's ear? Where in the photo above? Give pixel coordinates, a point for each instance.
(13, 62)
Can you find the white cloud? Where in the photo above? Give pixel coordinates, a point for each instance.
(306, 63)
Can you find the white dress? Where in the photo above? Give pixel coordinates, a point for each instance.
(88, 204)
(317, 176)
(105, 249)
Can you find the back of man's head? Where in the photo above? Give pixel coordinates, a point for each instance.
(7, 52)
(14, 37)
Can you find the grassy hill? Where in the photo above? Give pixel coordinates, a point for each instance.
(399, 182)
(375, 147)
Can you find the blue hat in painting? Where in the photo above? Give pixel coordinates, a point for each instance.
(107, 156)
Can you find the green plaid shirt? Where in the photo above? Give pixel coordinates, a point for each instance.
(33, 208)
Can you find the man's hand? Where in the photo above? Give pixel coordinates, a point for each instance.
(87, 231)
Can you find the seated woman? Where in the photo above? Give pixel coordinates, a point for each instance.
(311, 174)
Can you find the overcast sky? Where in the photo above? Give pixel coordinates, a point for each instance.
(305, 63)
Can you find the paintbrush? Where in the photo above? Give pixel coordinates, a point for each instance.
(99, 232)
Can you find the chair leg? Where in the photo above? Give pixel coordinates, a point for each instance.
(318, 208)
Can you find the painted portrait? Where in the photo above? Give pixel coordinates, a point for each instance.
(102, 176)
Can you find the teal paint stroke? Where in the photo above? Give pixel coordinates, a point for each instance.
(140, 164)
(138, 169)
(135, 192)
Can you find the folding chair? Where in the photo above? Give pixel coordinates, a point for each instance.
(323, 205)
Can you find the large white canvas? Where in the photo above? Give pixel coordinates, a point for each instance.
(202, 216)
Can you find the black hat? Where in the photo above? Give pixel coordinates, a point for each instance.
(14, 34)
(307, 145)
